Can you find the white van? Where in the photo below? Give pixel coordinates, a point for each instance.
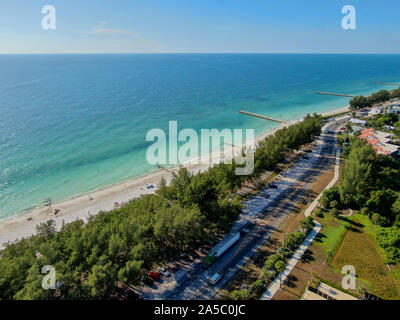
(215, 278)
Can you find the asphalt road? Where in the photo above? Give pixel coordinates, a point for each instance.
(267, 213)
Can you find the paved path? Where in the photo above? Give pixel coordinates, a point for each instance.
(330, 185)
(275, 285)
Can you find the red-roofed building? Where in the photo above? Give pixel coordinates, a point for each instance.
(373, 141)
(380, 142)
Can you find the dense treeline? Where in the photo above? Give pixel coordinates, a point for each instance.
(370, 183)
(362, 102)
(118, 247)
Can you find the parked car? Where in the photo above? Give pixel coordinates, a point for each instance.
(163, 271)
(154, 275)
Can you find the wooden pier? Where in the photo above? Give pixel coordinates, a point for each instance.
(388, 83)
(262, 117)
(335, 94)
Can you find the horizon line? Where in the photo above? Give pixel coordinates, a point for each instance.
(183, 52)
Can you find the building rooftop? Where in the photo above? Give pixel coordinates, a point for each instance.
(326, 292)
(375, 111)
(356, 128)
(358, 121)
(380, 141)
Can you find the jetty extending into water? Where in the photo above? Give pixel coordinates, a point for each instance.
(262, 117)
(335, 94)
(388, 83)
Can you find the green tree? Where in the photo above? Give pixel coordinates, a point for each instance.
(395, 93)
(359, 102)
(131, 272)
(389, 240)
(334, 204)
(101, 280)
(329, 255)
(46, 230)
(258, 287)
(334, 213)
(380, 201)
(330, 195)
(363, 292)
(272, 260)
(268, 273)
(243, 294)
(376, 217)
(357, 178)
(307, 224)
(380, 96)
(280, 266)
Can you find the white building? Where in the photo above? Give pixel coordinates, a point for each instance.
(358, 121)
(374, 112)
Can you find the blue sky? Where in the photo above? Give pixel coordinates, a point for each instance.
(124, 26)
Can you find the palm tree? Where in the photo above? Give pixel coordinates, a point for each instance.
(313, 282)
(280, 266)
(328, 256)
(334, 213)
(363, 292)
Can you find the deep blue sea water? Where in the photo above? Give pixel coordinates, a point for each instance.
(73, 123)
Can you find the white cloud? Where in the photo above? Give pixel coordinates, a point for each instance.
(101, 29)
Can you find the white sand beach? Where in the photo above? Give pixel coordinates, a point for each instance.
(80, 207)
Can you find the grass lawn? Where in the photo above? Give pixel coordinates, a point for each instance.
(332, 233)
(352, 240)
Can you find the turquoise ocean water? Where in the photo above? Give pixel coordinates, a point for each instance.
(72, 123)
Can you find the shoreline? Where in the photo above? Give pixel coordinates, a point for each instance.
(103, 199)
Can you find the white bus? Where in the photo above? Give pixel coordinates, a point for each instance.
(215, 278)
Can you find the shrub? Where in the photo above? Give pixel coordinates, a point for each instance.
(270, 263)
(268, 274)
(318, 213)
(243, 294)
(307, 224)
(258, 287)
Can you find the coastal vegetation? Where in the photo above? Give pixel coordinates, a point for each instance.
(380, 121)
(361, 102)
(117, 248)
(370, 184)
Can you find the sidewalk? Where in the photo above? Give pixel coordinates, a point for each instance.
(275, 285)
(330, 185)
